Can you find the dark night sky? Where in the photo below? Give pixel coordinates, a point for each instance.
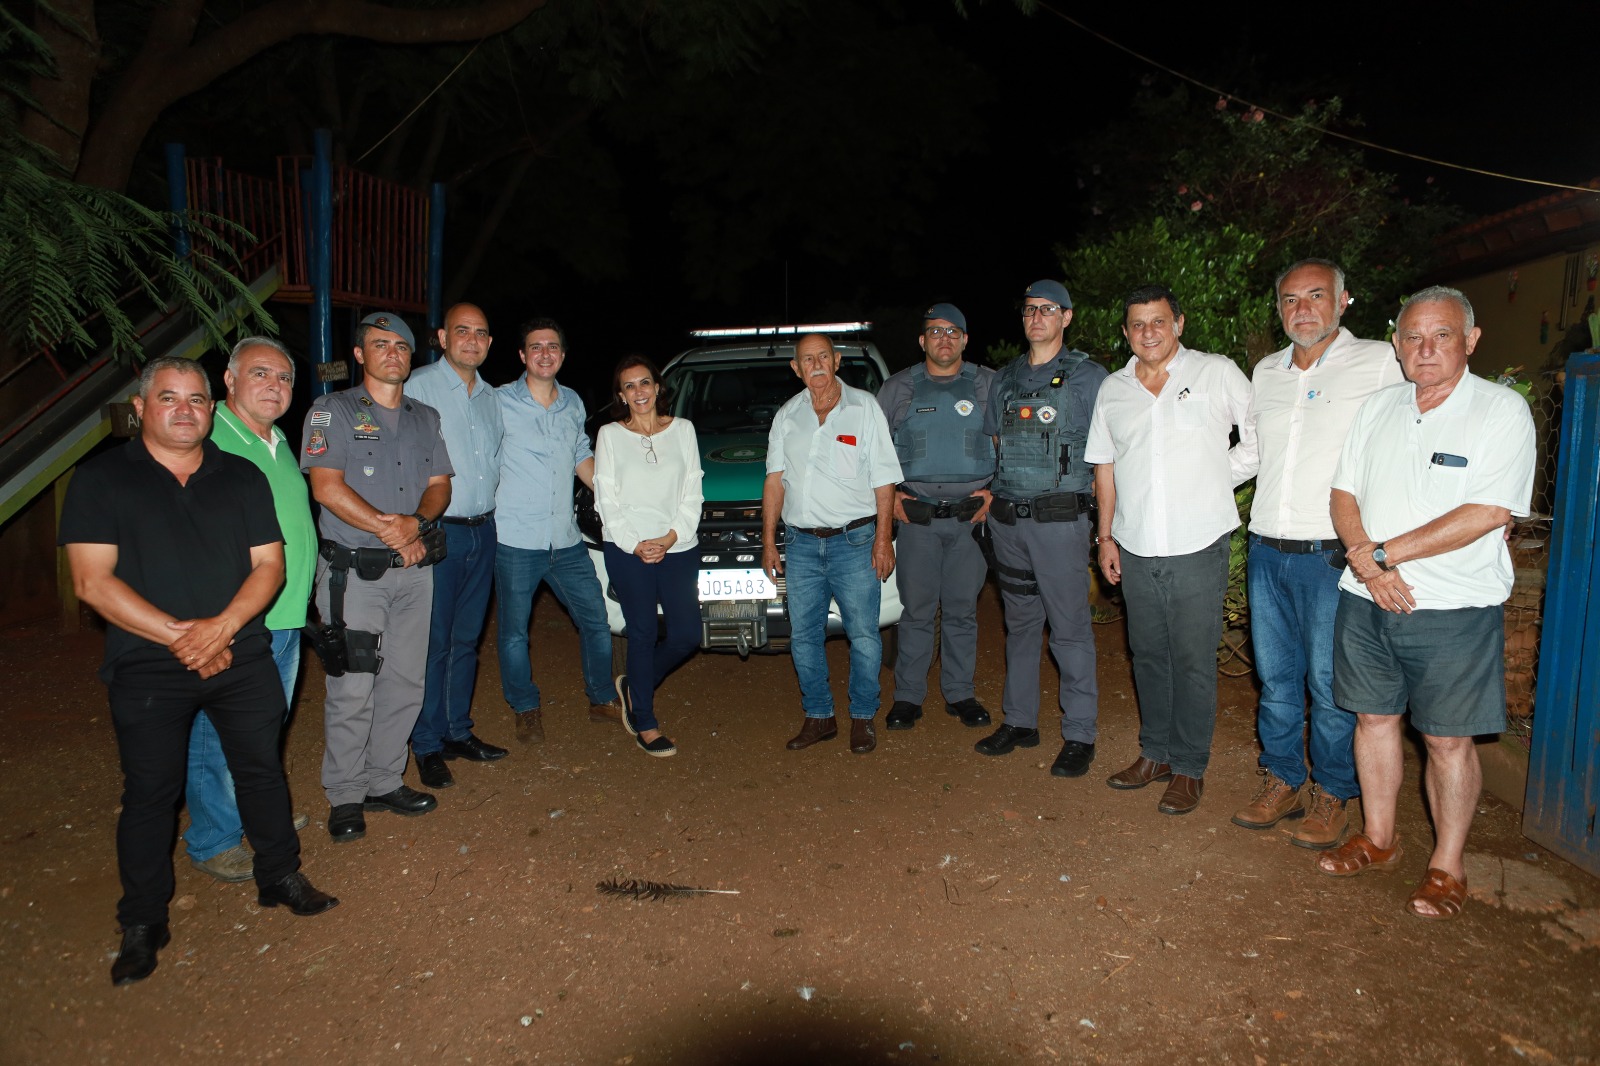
(1491, 85)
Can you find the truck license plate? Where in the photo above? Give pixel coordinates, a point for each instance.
(736, 585)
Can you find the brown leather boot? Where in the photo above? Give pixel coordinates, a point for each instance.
(1140, 774)
(863, 737)
(815, 729)
(1324, 825)
(530, 727)
(1274, 801)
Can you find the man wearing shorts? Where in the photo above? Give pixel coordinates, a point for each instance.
(1429, 476)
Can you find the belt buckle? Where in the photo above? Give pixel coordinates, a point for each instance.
(941, 510)
(1025, 509)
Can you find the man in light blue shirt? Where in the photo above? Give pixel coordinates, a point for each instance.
(469, 419)
(544, 447)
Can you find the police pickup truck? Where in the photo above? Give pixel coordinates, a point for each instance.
(730, 388)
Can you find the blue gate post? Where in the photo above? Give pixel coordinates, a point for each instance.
(178, 199)
(1564, 765)
(435, 265)
(319, 259)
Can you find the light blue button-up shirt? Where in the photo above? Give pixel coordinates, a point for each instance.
(539, 457)
(472, 429)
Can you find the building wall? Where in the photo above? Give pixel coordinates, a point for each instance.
(1511, 327)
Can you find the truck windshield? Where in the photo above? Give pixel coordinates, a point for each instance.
(733, 396)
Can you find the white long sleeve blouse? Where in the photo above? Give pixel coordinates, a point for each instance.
(637, 499)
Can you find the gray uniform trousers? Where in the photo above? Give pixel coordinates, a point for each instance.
(937, 566)
(1058, 554)
(368, 718)
(1174, 625)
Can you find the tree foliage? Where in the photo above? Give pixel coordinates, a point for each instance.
(78, 263)
(1239, 173)
(1212, 271)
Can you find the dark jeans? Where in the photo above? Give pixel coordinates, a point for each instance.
(153, 705)
(1174, 625)
(461, 584)
(674, 584)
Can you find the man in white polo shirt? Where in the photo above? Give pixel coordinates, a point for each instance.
(1429, 476)
(831, 475)
(1303, 400)
(1159, 442)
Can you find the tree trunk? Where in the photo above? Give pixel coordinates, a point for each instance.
(171, 64)
(64, 98)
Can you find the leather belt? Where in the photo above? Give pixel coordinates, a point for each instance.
(1300, 547)
(825, 533)
(368, 563)
(475, 520)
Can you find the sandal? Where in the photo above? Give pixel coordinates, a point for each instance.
(1440, 891)
(1357, 854)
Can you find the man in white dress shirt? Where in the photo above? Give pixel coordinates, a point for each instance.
(1303, 401)
(1429, 475)
(1159, 442)
(831, 476)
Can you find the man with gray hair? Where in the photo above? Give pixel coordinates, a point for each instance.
(260, 381)
(1303, 401)
(176, 545)
(1428, 477)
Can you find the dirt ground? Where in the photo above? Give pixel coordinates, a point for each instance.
(920, 904)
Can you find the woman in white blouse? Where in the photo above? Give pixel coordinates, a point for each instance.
(647, 492)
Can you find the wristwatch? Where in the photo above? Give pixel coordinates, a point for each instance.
(1381, 557)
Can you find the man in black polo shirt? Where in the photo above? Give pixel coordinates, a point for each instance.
(176, 544)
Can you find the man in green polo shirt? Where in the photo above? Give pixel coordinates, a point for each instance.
(260, 380)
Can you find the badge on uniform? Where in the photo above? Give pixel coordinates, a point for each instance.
(321, 418)
(367, 470)
(365, 424)
(317, 444)
(1026, 412)
(1047, 415)
(965, 407)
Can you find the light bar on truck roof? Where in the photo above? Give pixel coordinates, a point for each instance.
(783, 331)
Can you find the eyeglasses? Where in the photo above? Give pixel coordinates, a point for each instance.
(1047, 310)
(649, 449)
(953, 332)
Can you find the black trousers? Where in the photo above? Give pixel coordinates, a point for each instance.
(153, 705)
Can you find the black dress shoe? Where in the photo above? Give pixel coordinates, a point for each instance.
(902, 715)
(346, 823)
(970, 711)
(473, 750)
(403, 800)
(1074, 759)
(296, 893)
(432, 771)
(1002, 740)
(137, 959)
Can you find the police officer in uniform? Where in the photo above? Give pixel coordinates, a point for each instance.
(935, 412)
(379, 468)
(1039, 523)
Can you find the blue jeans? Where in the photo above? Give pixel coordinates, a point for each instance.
(1293, 601)
(640, 586)
(214, 824)
(838, 568)
(570, 574)
(461, 584)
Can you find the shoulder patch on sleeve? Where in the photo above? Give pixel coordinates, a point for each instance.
(323, 417)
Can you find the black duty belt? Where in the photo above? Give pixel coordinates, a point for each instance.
(825, 533)
(1051, 507)
(1300, 547)
(922, 511)
(368, 563)
(475, 520)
